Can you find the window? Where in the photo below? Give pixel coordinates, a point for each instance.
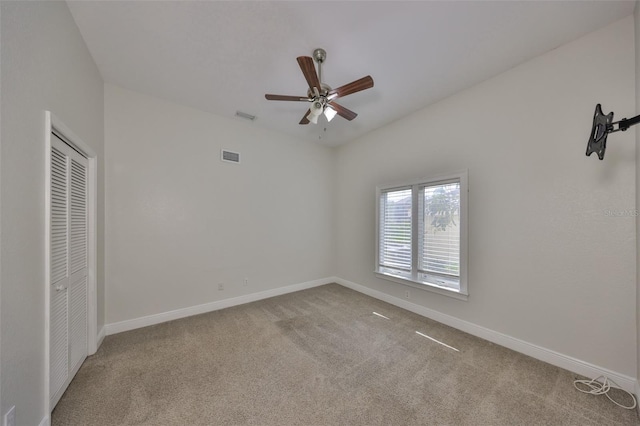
(421, 235)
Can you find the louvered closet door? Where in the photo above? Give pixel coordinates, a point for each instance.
(59, 339)
(68, 315)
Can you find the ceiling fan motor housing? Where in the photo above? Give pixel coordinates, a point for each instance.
(324, 90)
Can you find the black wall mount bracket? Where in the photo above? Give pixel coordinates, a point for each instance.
(602, 126)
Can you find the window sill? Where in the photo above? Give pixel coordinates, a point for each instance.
(434, 288)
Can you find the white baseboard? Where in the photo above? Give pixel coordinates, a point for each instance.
(101, 335)
(637, 393)
(132, 324)
(554, 358)
(46, 421)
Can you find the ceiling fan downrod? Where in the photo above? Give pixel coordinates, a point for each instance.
(319, 55)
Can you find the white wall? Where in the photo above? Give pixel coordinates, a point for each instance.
(180, 221)
(546, 265)
(636, 17)
(45, 66)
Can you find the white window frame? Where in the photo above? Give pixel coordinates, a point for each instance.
(461, 177)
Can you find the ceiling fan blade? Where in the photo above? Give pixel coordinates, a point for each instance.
(305, 120)
(285, 98)
(343, 112)
(309, 71)
(353, 87)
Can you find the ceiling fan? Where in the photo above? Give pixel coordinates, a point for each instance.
(320, 95)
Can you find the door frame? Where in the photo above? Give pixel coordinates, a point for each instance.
(54, 125)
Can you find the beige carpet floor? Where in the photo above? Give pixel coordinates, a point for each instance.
(320, 357)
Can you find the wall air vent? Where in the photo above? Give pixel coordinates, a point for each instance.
(245, 115)
(230, 156)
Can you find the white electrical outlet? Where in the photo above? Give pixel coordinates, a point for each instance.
(10, 417)
(406, 294)
(221, 286)
(246, 282)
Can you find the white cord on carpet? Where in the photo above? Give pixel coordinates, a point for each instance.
(597, 387)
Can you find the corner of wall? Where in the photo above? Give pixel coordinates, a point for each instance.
(636, 16)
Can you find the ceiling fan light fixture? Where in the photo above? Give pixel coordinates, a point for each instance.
(313, 118)
(315, 111)
(316, 108)
(330, 113)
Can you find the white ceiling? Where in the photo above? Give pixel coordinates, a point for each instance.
(223, 56)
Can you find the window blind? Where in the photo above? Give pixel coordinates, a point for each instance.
(439, 229)
(395, 229)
